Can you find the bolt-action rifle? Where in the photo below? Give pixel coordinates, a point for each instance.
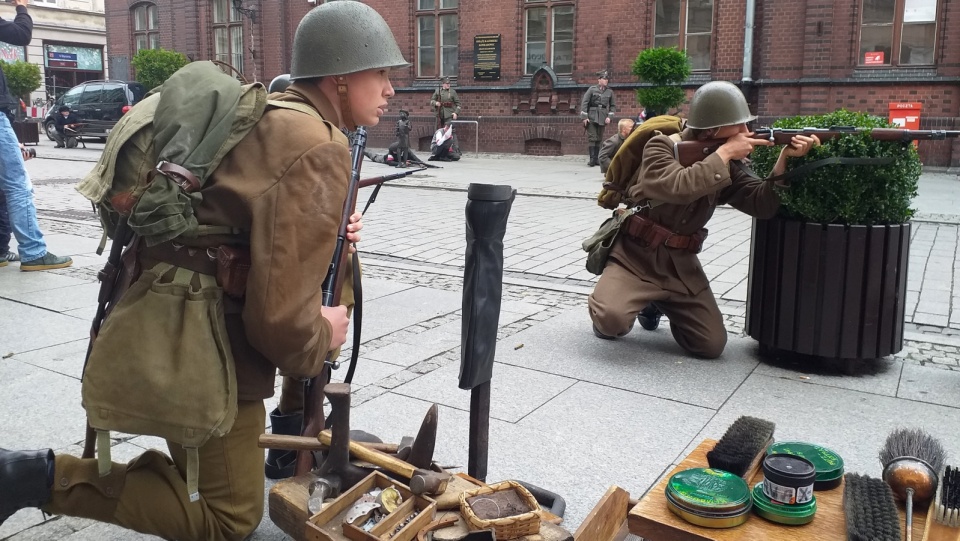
(691, 152)
(313, 419)
(378, 182)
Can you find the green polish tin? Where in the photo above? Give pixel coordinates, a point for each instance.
(709, 497)
(791, 515)
(828, 463)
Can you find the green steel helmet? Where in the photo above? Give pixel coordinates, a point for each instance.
(279, 83)
(346, 36)
(716, 104)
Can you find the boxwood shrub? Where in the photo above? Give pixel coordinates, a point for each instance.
(847, 194)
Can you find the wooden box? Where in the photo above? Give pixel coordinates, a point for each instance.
(327, 525)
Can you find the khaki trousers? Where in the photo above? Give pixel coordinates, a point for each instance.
(695, 320)
(149, 494)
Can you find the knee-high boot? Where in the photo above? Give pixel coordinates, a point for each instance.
(280, 463)
(26, 477)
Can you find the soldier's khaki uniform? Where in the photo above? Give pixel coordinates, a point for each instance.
(637, 275)
(285, 183)
(449, 104)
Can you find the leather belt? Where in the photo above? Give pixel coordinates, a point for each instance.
(202, 260)
(651, 234)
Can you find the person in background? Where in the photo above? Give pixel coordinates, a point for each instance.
(613, 144)
(14, 182)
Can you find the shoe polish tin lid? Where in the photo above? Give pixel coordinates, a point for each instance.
(792, 515)
(709, 491)
(828, 463)
(788, 479)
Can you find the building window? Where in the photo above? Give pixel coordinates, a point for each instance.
(146, 27)
(549, 36)
(227, 34)
(438, 38)
(687, 25)
(905, 27)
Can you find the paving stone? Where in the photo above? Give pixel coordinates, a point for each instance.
(878, 376)
(60, 299)
(66, 359)
(25, 328)
(39, 408)
(930, 385)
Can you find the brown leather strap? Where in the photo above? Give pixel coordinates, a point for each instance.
(182, 176)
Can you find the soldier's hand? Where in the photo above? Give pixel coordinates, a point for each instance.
(585, 122)
(740, 146)
(454, 116)
(20, 2)
(337, 316)
(800, 145)
(353, 230)
(606, 121)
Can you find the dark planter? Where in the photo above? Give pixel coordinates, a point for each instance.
(832, 291)
(27, 132)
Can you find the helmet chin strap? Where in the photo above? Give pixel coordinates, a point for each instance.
(345, 113)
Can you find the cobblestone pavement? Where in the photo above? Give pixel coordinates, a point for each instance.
(419, 220)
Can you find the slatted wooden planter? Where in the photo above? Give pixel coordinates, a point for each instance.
(832, 291)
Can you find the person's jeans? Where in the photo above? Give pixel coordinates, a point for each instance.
(15, 185)
(4, 226)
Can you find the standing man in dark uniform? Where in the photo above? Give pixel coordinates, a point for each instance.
(446, 102)
(596, 110)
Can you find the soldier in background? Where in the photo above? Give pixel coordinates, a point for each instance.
(403, 137)
(446, 103)
(596, 109)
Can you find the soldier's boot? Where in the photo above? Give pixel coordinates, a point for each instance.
(594, 155)
(25, 478)
(590, 156)
(281, 463)
(649, 317)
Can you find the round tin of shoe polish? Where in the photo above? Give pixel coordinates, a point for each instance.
(792, 515)
(788, 479)
(828, 463)
(709, 497)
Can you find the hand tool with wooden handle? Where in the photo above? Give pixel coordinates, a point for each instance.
(307, 443)
(421, 481)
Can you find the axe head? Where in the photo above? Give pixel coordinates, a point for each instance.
(421, 452)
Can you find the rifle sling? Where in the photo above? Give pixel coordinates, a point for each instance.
(807, 167)
(357, 318)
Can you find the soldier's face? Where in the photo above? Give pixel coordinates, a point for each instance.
(446, 86)
(602, 81)
(368, 94)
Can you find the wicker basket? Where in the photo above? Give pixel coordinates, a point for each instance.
(507, 527)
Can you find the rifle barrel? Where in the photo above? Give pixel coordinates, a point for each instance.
(782, 136)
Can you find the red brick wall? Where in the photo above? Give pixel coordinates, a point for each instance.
(804, 62)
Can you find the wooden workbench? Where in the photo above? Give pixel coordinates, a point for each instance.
(652, 520)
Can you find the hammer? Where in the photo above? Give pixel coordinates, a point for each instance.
(422, 481)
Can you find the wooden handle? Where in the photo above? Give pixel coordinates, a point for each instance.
(306, 443)
(377, 458)
(436, 525)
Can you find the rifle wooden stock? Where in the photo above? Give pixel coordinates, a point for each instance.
(691, 152)
(313, 419)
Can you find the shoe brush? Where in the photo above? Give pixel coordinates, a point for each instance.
(943, 518)
(911, 460)
(742, 446)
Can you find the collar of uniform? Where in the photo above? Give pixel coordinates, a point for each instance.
(310, 94)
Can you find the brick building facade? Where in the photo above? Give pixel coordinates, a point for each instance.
(807, 57)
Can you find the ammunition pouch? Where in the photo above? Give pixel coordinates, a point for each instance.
(599, 244)
(650, 234)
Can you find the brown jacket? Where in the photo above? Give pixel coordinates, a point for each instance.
(688, 197)
(284, 183)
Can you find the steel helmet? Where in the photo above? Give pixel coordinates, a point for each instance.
(337, 38)
(716, 104)
(279, 83)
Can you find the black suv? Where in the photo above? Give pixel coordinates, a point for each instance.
(100, 104)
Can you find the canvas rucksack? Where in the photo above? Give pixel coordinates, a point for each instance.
(161, 363)
(625, 166)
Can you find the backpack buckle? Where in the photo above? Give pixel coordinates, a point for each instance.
(180, 176)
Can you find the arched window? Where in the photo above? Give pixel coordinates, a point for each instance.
(146, 27)
(227, 34)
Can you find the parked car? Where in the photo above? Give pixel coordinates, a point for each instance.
(99, 103)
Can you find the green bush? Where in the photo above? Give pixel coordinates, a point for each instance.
(847, 194)
(22, 78)
(665, 68)
(155, 66)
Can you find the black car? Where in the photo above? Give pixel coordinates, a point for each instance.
(98, 103)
